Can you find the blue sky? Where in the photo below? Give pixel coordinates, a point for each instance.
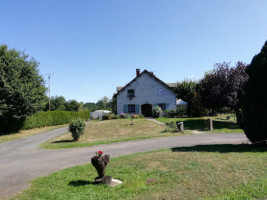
(93, 46)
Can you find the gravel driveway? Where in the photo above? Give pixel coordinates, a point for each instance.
(21, 160)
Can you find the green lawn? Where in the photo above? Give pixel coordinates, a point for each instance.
(200, 172)
(220, 124)
(5, 137)
(110, 131)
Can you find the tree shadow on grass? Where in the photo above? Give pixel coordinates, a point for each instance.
(201, 124)
(222, 148)
(195, 124)
(222, 125)
(81, 183)
(63, 141)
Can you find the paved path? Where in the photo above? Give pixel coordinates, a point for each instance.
(22, 161)
(156, 121)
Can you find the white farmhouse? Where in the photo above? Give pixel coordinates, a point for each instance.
(143, 93)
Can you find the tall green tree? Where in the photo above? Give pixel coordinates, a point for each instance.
(113, 103)
(255, 99)
(56, 103)
(22, 89)
(187, 90)
(91, 106)
(72, 105)
(104, 103)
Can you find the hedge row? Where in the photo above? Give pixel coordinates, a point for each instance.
(52, 118)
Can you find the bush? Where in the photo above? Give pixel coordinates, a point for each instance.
(255, 99)
(109, 116)
(105, 116)
(76, 128)
(124, 116)
(52, 118)
(135, 116)
(156, 112)
(174, 113)
(116, 117)
(181, 110)
(172, 126)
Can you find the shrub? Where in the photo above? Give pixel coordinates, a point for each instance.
(105, 116)
(76, 128)
(181, 110)
(116, 117)
(135, 116)
(171, 127)
(124, 116)
(156, 112)
(255, 99)
(109, 116)
(174, 113)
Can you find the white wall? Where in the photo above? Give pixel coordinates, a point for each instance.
(146, 88)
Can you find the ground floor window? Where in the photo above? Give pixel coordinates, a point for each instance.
(131, 108)
(162, 106)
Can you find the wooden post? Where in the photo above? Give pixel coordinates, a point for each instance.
(210, 124)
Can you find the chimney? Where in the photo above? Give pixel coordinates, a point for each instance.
(137, 72)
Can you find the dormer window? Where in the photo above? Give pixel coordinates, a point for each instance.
(130, 93)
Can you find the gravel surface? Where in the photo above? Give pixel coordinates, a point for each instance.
(21, 160)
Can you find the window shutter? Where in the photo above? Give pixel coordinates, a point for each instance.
(125, 108)
(136, 108)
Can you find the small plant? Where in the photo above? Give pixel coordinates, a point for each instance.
(156, 112)
(171, 127)
(76, 128)
(111, 116)
(124, 116)
(135, 116)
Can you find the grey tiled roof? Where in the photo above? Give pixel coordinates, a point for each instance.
(172, 85)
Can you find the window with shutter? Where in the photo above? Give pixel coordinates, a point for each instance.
(131, 108)
(125, 110)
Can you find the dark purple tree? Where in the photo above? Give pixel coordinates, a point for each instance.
(223, 87)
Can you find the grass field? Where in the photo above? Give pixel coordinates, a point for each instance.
(109, 131)
(26, 133)
(200, 172)
(221, 124)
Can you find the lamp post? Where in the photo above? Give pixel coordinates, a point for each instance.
(49, 86)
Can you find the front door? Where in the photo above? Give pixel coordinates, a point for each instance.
(147, 110)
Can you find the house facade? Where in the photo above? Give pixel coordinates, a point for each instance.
(143, 93)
